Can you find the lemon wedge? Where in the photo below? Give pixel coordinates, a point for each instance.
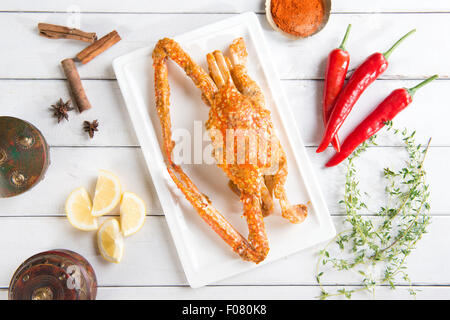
(110, 241)
(132, 213)
(78, 210)
(107, 193)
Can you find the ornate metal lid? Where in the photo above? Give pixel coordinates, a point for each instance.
(24, 156)
(54, 275)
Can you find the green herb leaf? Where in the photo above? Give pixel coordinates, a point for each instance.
(400, 224)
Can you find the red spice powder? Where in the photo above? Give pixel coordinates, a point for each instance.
(297, 17)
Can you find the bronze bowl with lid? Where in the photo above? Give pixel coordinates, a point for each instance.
(54, 275)
(24, 156)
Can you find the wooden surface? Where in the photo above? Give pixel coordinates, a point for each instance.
(31, 80)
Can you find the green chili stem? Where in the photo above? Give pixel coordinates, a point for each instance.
(342, 46)
(388, 53)
(413, 90)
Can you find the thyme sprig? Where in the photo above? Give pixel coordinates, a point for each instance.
(383, 243)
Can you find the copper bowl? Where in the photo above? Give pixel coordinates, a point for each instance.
(54, 275)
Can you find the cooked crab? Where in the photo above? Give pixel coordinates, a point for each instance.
(236, 105)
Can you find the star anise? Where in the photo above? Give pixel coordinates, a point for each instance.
(91, 127)
(61, 109)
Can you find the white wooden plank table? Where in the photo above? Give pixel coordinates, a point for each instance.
(31, 80)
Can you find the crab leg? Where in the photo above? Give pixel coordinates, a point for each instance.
(266, 197)
(216, 220)
(255, 220)
(241, 79)
(168, 48)
(220, 75)
(294, 213)
(253, 250)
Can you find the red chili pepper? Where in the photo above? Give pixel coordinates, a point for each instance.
(335, 73)
(361, 78)
(394, 103)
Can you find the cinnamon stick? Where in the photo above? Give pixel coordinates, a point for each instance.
(76, 87)
(98, 47)
(54, 31)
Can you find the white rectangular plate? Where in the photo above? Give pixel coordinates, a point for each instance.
(204, 256)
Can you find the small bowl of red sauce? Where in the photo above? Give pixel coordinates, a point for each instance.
(298, 19)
